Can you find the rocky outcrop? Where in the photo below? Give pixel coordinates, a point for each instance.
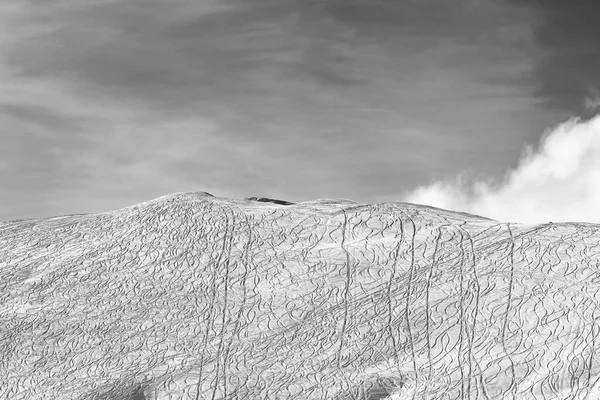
(267, 200)
(192, 296)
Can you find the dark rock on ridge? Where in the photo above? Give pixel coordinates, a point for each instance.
(267, 200)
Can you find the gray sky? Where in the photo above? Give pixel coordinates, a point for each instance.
(106, 103)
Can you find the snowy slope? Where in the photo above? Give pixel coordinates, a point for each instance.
(191, 296)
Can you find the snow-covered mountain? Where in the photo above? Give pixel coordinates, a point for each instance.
(191, 296)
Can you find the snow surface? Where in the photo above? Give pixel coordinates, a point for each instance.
(191, 296)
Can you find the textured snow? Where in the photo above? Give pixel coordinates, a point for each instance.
(191, 296)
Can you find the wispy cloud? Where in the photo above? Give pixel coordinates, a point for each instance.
(567, 35)
(592, 100)
(103, 104)
(557, 181)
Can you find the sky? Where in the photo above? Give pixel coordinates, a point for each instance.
(107, 103)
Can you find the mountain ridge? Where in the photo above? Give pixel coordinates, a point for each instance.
(192, 296)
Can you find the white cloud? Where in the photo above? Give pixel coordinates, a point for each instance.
(558, 181)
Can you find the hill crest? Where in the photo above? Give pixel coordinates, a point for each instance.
(193, 296)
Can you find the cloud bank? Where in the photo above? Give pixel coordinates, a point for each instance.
(558, 181)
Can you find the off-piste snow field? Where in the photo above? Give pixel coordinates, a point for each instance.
(191, 296)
